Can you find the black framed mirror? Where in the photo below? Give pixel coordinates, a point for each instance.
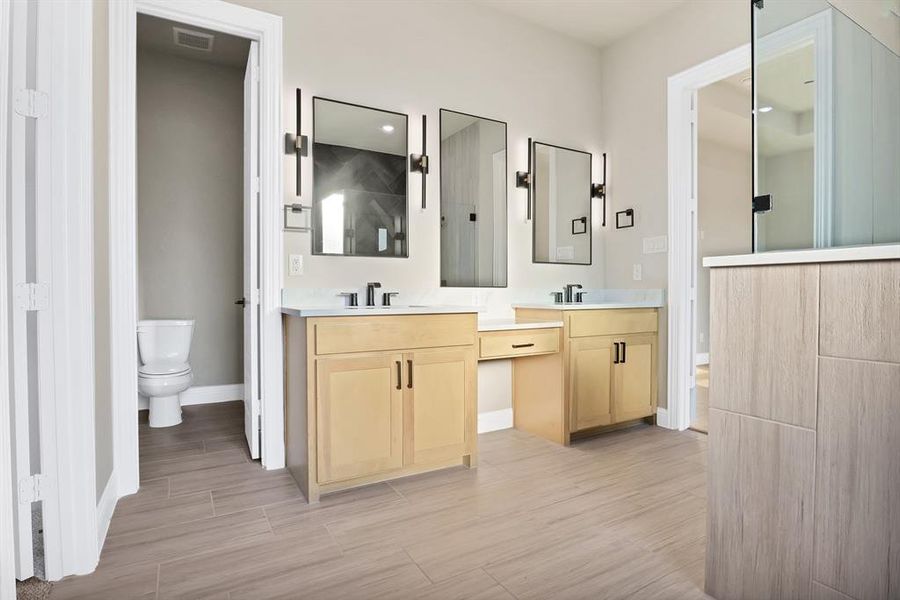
(473, 201)
(360, 180)
(561, 197)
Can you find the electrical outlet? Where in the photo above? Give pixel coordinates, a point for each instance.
(295, 264)
(654, 245)
(636, 272)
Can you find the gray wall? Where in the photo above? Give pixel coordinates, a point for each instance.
(190, 205)
(723, 213)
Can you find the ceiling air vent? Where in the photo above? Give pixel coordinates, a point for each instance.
(197, 40)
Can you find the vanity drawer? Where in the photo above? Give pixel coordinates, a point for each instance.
(521, 342)
(341, 335)
(616, 321)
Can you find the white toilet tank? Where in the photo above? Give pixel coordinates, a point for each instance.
(165, 341)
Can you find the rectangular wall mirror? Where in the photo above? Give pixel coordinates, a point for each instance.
(561, 180)
(359, 180)
(473, 201)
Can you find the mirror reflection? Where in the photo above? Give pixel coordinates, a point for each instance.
(473, 201)
(359, 180)
(561, 183)
(827, 127)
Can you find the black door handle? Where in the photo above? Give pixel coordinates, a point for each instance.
(241, 301)
(616, 357)
(409, 382)
(623, 351)
(523, 345)
(399, 375)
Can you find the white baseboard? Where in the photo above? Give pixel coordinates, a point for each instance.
(662, 418)
(702, 358)
(105, 508)
(204, 394)
(495, 420)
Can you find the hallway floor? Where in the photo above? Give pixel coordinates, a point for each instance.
(619, 516)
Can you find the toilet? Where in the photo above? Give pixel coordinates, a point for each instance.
(164, 374)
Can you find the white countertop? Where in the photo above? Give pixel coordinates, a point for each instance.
(813, 255)
(592, 305)
(369, 311)
(510, 325)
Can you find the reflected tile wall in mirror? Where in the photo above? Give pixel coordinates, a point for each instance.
(473, 201)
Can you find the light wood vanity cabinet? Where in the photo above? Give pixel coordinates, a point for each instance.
(375, 398)
(609, 362)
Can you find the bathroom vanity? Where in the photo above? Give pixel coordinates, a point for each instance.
(373, 394)
(604, 375)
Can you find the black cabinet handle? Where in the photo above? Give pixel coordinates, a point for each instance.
(409, 382)
(616, 358)
(522, 345)
(623, 351)
(399, 375)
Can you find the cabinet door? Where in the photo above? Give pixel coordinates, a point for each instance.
(635, 378)
(590, 381)
(359, 416)
(440, 390)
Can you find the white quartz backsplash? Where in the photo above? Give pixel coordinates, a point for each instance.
(492, 303)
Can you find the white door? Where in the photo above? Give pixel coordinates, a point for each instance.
(251, 251)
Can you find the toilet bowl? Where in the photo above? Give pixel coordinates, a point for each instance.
(164, 346)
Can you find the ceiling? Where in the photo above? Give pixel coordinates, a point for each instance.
(156, 34)
(596, 22)
(359, 127)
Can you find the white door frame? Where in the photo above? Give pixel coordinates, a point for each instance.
(7, 556)
(229, 18)
(682, 209)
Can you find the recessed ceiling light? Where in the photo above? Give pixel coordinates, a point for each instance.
(387, 128)
(765, 109)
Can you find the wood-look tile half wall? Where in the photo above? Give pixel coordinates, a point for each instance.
(805, 356)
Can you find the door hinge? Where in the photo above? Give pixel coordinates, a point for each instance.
(33, 488)
(259, 422)
(255, 186)
(254, 296)
(32, 296)
(31, 103)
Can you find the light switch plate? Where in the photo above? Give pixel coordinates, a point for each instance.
(636, 272)
(655, 245)
(295, 265)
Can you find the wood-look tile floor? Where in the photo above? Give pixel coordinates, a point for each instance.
(618, 516)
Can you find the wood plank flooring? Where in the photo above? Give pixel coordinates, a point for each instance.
(618, 516)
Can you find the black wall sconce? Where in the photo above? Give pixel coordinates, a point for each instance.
(598, 190)
(418, 163)
(625, 218)
(297, 144)
(523, 180)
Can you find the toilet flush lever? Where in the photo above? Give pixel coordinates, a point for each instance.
(241, 301)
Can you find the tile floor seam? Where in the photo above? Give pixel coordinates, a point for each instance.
(489, 574)
(418, 566)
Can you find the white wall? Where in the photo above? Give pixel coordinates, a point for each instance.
(190, 205)
(789, 225)
(417, 57)
(634, 72)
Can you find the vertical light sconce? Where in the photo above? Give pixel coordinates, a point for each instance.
(523, 179)
(297, 144)
(598, 190)
(418, 163)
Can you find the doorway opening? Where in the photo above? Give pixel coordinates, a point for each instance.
(197, 108)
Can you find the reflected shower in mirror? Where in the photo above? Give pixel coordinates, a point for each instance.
(561, 183)
(359, 180)
(827, 125)
(473, 201)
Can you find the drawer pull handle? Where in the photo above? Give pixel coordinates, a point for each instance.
(399, 375)
(616, 359)
(523, 345)
(409, 382)
(624, 345)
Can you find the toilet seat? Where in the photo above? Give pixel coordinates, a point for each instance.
(161, 370)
